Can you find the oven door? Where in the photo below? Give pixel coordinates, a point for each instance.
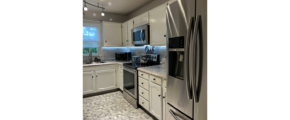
(130, 81)
(140, 35)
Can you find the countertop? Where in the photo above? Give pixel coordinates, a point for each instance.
(156, 70)
(106, 63)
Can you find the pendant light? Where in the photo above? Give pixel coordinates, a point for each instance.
(103, 14)
(85, 8)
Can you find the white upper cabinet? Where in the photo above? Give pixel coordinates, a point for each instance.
(112, 34)
(130, 34)
(158, 26)
(141, 20)
(124, 33)
(105, 80)
(88, 82)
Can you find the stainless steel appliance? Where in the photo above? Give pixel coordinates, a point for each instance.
(135, 59)
(155, 59)
(186, 22)
(131, 82)
(150, 59)
(126, 56)
(141, 35)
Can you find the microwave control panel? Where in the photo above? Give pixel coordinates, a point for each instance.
(177, 42)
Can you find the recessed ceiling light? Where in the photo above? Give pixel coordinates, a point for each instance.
(94, 14)
(110, 3)
(111, 19)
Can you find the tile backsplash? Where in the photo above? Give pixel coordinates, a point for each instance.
(109, 52)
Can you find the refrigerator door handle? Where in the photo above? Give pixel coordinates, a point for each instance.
(193, 63)
(170, 111)
(187, 77)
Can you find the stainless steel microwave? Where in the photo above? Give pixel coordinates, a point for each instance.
(141, 35)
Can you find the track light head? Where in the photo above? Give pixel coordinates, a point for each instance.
(103, 14)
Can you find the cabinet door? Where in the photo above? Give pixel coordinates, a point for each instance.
(144, 18)
(164, 104)
(130, 34)
(124, 33)
(120, 79)
(158, 26)
(155, 100)
(105, 80)
(88, 82)
(112, 34)
(137, 21)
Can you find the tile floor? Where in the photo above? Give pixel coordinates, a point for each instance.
(111, 106)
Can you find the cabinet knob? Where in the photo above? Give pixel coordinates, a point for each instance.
(164, 35)
(106, 41)
(163, 96)
(96, 76)
(142, 102)
(159, 95)
(141, 83)
(142, 92)
(153, 78)
(92, 76)
(142, 74)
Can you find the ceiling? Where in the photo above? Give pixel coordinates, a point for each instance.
(120, 7)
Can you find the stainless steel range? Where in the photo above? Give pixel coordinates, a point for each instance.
(130, 74)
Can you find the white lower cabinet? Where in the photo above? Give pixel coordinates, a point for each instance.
(164, 104)
(88, 82)
(155, 100)
(120, 77)
(105, 80)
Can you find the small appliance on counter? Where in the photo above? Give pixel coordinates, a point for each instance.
(150, 59)
(125, 56)
(135, 59)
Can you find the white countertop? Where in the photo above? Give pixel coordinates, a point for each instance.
(156, 70)
(106, 63)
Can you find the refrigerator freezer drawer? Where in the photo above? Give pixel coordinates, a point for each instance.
(173, 114)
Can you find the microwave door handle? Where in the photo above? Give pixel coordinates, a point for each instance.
(187, 62)
(141, 35)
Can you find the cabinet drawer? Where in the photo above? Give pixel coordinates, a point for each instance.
(144, 103)
(144, 93)
(155, 79)
(143, 75)
(144, 83)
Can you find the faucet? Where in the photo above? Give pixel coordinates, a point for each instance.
(90, 56)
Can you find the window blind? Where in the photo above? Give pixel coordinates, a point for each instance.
(91, 33)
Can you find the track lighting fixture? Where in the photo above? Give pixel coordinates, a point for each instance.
(86, 9)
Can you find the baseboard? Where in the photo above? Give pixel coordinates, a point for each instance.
(103, 92)
(154, 118)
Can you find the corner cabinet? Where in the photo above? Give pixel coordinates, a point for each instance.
(112, 34)
(105, 80)
(141, 19)
(88, 82)
(158, 26)
(156, 100)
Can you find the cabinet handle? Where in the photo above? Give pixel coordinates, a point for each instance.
(159, 95)
(96, 76)
(142, 92)
(163, 96)
(164, 35)
(92, 76)
(142, 74)
(153, 78)
(106, 41)
(142, 102)
(142, 83)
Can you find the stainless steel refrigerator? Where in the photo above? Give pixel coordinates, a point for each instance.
(187, 60)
